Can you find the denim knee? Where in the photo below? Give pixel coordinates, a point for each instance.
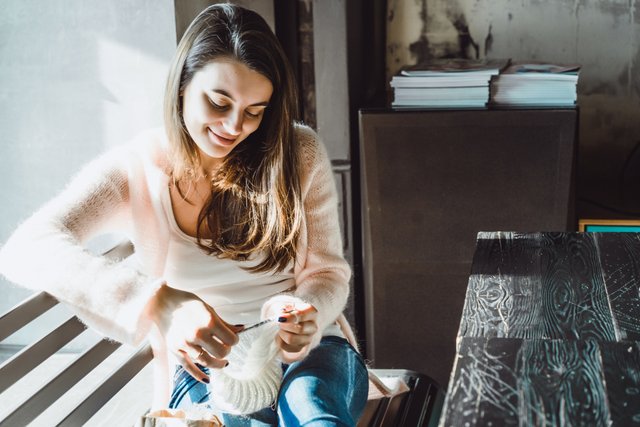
(328, 387)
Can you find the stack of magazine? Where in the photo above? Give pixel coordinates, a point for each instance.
(446, 83)
(536, 84)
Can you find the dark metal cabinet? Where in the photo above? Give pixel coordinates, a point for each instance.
(430, 181)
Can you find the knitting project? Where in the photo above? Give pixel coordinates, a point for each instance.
(252, 379)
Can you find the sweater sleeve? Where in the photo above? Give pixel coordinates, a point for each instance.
(322, 276)
(47, 253)
(323, 280)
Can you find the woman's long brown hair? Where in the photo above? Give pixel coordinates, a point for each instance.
(255, 206)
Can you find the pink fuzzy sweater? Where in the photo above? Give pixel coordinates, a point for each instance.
(120, 192)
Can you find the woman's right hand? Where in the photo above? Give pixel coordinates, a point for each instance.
(192, 330)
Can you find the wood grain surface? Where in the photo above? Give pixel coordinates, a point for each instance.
(549, 334)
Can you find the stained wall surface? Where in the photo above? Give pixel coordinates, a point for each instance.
(603, 36)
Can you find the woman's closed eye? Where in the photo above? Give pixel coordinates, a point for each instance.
(254, 114)
(217, 106)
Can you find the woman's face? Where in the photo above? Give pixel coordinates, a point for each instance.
(222, 105)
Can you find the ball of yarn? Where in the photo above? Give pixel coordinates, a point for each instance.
(252, 379)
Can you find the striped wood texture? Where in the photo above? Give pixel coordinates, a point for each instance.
(549, 333)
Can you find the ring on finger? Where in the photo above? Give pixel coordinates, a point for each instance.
(198, 356)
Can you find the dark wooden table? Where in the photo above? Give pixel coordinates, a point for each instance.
(550, 332)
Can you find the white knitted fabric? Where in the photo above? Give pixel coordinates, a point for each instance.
(252, 379)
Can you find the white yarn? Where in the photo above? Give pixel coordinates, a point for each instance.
(252, 379)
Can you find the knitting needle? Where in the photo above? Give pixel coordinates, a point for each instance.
(263, 322)
(260, 323)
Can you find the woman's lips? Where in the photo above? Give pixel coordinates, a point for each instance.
(221, 139)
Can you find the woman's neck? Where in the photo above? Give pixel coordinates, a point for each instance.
(209, 165)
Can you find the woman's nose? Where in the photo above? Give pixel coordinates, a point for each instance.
(233, 124)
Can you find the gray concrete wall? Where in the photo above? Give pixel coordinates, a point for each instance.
(76, 77)
(601, 35)
(330, 61)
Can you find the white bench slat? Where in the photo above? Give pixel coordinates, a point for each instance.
(50, 392)
(25, 312)
(105, 391)
(24, 361)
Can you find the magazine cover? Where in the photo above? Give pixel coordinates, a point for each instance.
(447, 67)
(541, 68)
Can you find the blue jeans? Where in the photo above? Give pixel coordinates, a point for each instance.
(327, 388)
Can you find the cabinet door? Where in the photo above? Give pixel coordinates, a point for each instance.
(429, 182)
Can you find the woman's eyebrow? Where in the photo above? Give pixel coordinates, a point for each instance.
(228, 95)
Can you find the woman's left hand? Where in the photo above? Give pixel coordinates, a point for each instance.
(297, 327)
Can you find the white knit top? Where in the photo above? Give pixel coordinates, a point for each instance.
(235, 293)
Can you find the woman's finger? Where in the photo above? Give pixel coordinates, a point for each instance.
(222, 331)
(302, 328)
(212, 345)
(198, 353)
(299, 315)
(194, 352)
(291, 348)
(189, 366)
(206, 359)
(294, 339)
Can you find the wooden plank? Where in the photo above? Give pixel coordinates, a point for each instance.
(560, 382)
(25, 312)
(50, 392)
(621, 366)
(507, 254)
(105, 391)
(539, 285)
(620, 260)
(484, 388)
(502, 306)
(583, 297)
(30, 357)
(503, 381)
(504, 288)
(574, 295)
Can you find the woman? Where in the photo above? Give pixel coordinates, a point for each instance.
(232, 211)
